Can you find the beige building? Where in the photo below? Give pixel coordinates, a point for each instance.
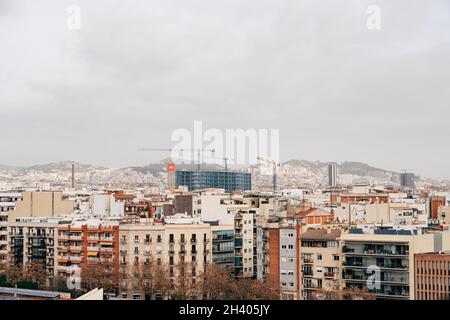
(7, 205)
(34, 240)
(41, 204)
(245, 243)
(388, 257)
(444, 214)
(164, 244)
(320, 263)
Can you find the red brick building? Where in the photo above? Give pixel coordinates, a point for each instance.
(432, 276)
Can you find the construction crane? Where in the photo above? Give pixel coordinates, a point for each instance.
(274, 177)
(199, 152)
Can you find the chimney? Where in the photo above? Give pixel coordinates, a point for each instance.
(73, 175)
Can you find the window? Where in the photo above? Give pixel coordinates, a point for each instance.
(319, 256)
(335, 257)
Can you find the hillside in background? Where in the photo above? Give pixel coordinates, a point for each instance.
(292, 173)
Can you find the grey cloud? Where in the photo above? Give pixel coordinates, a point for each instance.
(137, 70)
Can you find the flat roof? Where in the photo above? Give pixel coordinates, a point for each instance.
(30, 293)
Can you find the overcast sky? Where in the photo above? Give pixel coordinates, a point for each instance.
(138, 70)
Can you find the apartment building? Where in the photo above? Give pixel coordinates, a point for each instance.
(215, 205)
(223, 246)
(371, 197)
(7, 205)
(42, 204)
(33, 241)
(432, 276)
(84, 242)
(386, 256)
(169, 244)
(277, 243)
(320, 263)
(245, 243)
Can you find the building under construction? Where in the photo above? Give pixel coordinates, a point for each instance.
(229, 180)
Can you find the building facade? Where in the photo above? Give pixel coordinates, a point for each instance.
(432, 276)
(245, 244)
(86, 242)
(320, 263)
(230, 181)
(223, 246)
(278, 254)
(388, 257)
(166, 245)
(7, 205)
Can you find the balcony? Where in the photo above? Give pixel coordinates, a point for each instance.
(92, 259)
(307, 260)
(182, 252)
(123, 252)
(65, 268)
(307, 273)
(76, 238)
(193, 240)
(311, 286)
(76, 248)
(193, 251)
(329, 275)
(75, 258)
(384, 266)
(93, 249)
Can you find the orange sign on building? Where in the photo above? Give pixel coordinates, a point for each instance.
(171, 167)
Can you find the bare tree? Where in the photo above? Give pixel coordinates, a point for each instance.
(335, 293)
(104, 274)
